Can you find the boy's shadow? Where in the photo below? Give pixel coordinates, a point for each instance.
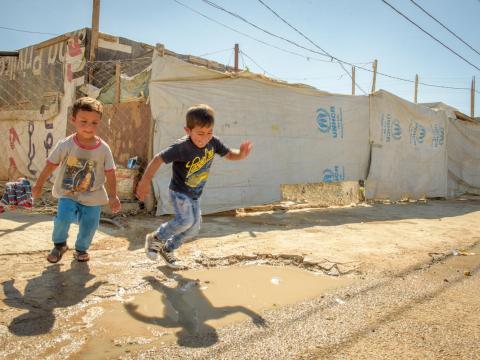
(52, 289)
(190, 315)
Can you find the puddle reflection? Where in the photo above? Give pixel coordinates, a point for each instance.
(187, 307)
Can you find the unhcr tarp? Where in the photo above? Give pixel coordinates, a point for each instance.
(300, 134)
(409, 158)
(463, 146)
(463, 149)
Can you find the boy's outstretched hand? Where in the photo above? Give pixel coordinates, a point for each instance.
(245, 148)
(242, 152)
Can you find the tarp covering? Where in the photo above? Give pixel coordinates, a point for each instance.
(409, 157)
(463, 149)
(463, 146)
(300, 134)
(34, 118)
(28, 143)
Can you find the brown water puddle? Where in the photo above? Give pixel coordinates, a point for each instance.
(190, 305)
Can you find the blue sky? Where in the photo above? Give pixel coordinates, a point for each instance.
(354, 31)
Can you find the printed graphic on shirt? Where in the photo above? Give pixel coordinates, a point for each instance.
(79, 175)
(198, 170)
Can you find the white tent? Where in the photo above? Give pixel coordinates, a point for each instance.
(300, 134)
(409, 153)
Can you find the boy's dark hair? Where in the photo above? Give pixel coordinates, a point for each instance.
(87, 104)
(200, 115)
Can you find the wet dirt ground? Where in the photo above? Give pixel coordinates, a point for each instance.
(361, 282)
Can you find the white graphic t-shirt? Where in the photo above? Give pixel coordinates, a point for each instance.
(81, 175)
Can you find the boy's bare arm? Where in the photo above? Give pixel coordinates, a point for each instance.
(143, 187)
(113, 200)
(44, 175)
(242, 153)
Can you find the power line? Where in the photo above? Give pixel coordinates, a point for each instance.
(249, 36)
(313, 58)
(445, 27)
(216, 6)
(311, 42)
(433, 37)
(215, 52)
(27, 31)
(263, 69)
(324, 53)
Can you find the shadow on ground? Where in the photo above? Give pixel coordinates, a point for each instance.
(52, 289)
(191, 311)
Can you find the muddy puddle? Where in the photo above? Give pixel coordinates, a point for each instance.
(187, 307)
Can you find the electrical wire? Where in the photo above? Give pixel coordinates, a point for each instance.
(262, 68)
(28, 31)
(444, 26)
(311, 42)
(313, 58)
(215, 52)
(426, 32)
(249, 36)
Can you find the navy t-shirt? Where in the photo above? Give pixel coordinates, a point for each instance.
(191, 164)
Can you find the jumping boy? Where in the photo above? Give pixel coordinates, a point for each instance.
(86, 163)
(192, 157)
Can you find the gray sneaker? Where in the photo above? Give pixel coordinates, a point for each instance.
(170, 260)
(152, 245)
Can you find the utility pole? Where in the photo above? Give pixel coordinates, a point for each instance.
(374, 82)
(416, 89)
(237, 50)
(94, 40)
(472, 99)
(353, 80)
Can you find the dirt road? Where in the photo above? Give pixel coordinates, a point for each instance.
(383, 281)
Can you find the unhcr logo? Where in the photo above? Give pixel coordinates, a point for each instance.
(334, 174)
(330, 121)
(438, 135)
(417, 133)
(323, 120)
(391, 128)
(396, 130)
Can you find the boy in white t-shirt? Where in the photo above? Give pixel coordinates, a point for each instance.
(86, 163)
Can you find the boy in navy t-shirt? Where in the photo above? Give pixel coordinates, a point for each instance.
(192, 157)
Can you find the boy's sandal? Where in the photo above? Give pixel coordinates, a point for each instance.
(81, 256)
(56, 254)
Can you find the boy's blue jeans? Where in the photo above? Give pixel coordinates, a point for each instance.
(87, 217)
(186, 223)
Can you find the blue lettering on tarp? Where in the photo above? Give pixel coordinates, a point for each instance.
(390, 128)
(396, 130)
(48, 142)
(330, 121)
(323, 120)
(334, 174)
(438, 135)
(417, 133)
(31, 147)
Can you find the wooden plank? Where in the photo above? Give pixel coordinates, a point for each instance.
(237, 50)
(94, 40)
(117, 83)
(107, 37)
(51, 42)
(374, 82)
(472, 99)
(416, 89)
(353, 80)
(160, 49)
